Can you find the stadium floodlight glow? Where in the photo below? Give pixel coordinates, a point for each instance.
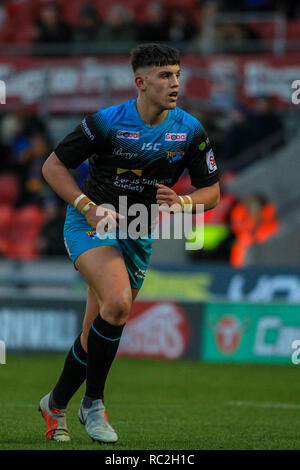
(2, 352)
(2, 92)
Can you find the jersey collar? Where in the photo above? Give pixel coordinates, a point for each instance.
(143, 124)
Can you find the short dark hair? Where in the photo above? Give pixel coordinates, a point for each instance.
(155, 55)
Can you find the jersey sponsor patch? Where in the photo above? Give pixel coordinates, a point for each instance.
(175, 156)
(128, 135)
(120, 171)
(210, 161)
(92, 234)
(121, 153)
(175, 137)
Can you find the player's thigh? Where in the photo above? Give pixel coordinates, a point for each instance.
(93, 306)
(104, 270)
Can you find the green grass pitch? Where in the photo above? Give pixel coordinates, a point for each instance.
(162, 405)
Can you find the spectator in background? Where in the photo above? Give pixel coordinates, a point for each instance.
(89, 24)
(50, 29)
(238, 37)
(236, 138)
(5, 160)
(290, 9)
(180, 28)
(263, 122)
(253, 220)
(118, 26)
(259, 5)
(247, 5)
(155, 26)
(27, 138)
(30, 153)
(12, 125)
(248, 129)
(50, 241)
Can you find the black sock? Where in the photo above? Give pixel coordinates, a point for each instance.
(72, 376)
(103, 342)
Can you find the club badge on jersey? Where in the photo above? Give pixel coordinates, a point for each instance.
(210, 161)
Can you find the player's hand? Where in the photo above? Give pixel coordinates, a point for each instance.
(166, 195)
(102, 219)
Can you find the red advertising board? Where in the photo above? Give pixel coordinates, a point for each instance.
(156, 330)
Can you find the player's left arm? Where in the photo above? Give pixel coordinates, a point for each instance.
(201, 164)
(209, 196)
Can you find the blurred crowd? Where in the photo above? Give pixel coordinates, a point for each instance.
(107, 22)
(31, 215)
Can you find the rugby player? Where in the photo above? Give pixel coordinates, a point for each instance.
(137, 149)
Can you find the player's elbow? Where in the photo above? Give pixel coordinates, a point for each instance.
(217, 200)
(215, 196)
(50, 166)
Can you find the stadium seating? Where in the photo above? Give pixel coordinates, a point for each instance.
(20, 16)
(9, 188)
(7, 214)
(24, 231)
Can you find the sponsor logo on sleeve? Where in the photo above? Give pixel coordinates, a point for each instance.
(175, 137)
(210, 161)
(128, 135)
(87, 130)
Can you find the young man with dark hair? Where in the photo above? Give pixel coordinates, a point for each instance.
(131, 149)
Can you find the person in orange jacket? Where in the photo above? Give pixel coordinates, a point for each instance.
(253, 220)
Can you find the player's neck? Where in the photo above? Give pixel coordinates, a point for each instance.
(149, 113)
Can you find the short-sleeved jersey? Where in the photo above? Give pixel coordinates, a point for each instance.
(127, 157)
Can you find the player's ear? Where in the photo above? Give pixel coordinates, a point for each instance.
(140, 82)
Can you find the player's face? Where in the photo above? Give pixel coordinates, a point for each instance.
(162, 85)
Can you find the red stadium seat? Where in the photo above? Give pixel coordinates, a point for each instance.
(25, 231)
(9, 188)
(265, 30)
(7, 214)
(293, 30)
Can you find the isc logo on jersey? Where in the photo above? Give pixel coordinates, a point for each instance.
(210, 161)
(175, 137)
(128, 135)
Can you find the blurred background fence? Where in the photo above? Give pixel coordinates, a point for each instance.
(240, 62)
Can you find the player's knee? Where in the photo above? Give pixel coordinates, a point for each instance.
(116, 311)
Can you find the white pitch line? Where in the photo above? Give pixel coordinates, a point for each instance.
(263, 404)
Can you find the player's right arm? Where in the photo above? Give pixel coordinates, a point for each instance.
(73, 150)
(60, 179)
(62, 182)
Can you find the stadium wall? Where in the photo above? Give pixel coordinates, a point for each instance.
(211, 331)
